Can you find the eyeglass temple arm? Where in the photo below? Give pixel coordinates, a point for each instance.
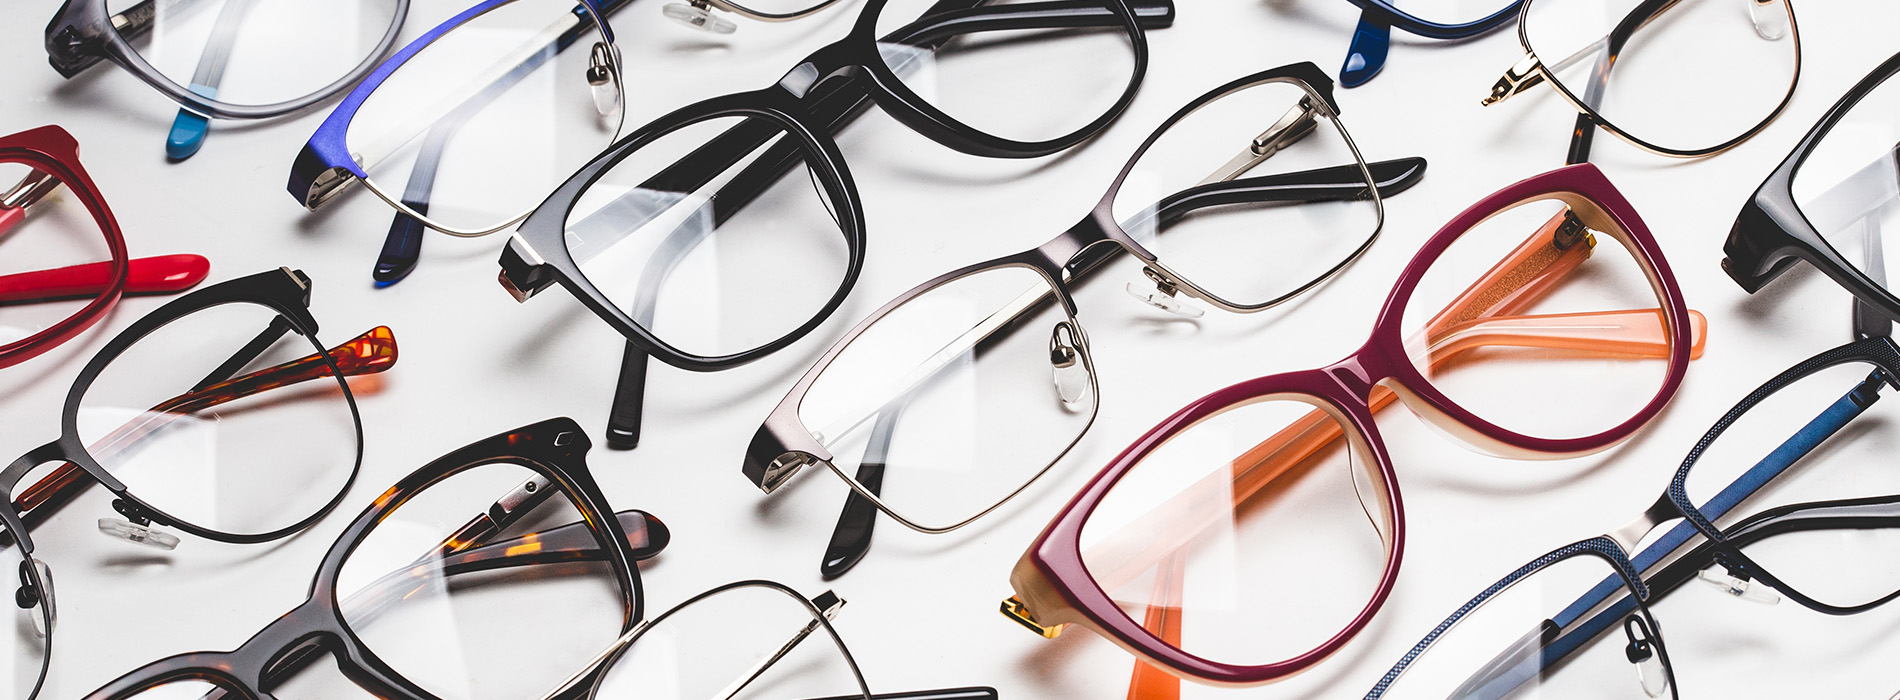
(1577, 631)
(188, 128)
(162, 274)
(372, 352)
(851, 538)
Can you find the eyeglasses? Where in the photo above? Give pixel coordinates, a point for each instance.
(67, 263)
(1829, 202)
(1831, 555)
(232, 59)
(1372, 38)
(947, 387)
(422, 596)
(664, 235)
(219, 414)
(494, 84)
(1693, 77)
(1282, 472)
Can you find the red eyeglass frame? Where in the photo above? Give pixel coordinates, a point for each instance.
(1055, 587)
(52, 150)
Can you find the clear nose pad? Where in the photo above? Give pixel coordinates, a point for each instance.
(1070, 372)
(1645, 653)
(600, 80)
(1162, 296)
(137, 529)
(698, 16)
(1753, 591)
(1770, 18)
(31, 596)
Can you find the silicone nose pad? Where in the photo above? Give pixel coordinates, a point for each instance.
(1162, 298)
(1770, 17)
(1645, 653)
(601, 80)
(121, 529)
(31, 595)
(1071, 374)
(700, 18)
(1752, 591)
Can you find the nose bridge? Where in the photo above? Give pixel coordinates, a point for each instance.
(828, 62)
(1358, 372)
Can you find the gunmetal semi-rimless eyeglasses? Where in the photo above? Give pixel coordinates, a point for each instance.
(719, 175)
(230, 59)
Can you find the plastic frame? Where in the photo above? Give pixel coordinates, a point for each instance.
(553, 449)
(826, 90)
(54, 152)
(1054, 587)
(784, 444)
(81, 34)
(1372, 38)
(1770, 233)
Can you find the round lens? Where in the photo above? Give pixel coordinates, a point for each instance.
(748, 642)
(1021, 73)
(249, 53)
(476, 128)
(1847, 185)
(967, 391)
(1209, 197)
(1570, 630)
(1543, 321)
(1688, 75)
(681, 232)
(465, 611)
(1195, 541)
(226, 418)
(51, 238)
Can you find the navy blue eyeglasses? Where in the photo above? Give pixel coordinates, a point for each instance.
(1372, 39)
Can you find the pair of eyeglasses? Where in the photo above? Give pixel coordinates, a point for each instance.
(665, 235)
(67, 264)
(1559, 344)
(1692, 77)
(220, 415)
(938, 407)
(231, 59)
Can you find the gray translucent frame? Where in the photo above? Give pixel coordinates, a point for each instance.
(785, 444)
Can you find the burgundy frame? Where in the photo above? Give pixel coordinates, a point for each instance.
(1053, 564)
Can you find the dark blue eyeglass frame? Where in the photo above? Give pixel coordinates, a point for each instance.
(1372, 39)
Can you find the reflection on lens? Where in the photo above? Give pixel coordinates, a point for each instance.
(1023, 81)
(29, 637)
(685, 232)
(966, 393)
(751, 642)
(225, 418)
(54, 230)
(1831, 448)
(250, 53)
(1542, 321)
(185, 690)
(1535, 639)
(1847, 185)
(468, 615)
(1193, 197)
(478, 127)
(1688, 75)
(1197, 541)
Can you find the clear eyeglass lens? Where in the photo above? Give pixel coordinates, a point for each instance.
(225, 418)
(1451, 11)
(467, 613)
(49, 229)
(1022, 81)
(751, 642)
(1687, 75)
(1849, 184)
(1825, 447)
(250, 53)
(477, 127)
(28, 639)
(1570, 630)
(966, 393)
(1195, 541)
(1541, 320)
(778, 7)
(1199, 198)
(682, 234)
(185, 690)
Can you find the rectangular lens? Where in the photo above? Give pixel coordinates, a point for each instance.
(1848, 185)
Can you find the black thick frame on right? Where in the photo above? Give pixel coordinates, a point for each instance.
(788, 124)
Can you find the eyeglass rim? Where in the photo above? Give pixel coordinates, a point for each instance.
(53, 149)
(1397, 17)
(1597, 118)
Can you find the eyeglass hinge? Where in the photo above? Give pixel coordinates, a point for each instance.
(1516, 79)
(1570, 232)
(782, 469)
(1015, 609)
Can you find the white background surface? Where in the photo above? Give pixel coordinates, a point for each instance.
(922, 609)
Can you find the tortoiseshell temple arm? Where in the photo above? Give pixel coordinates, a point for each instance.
(372, 352)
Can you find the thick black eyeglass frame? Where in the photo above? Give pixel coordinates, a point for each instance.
(555, 450)
(825, 91)
(285, 291)
(1770, 233)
